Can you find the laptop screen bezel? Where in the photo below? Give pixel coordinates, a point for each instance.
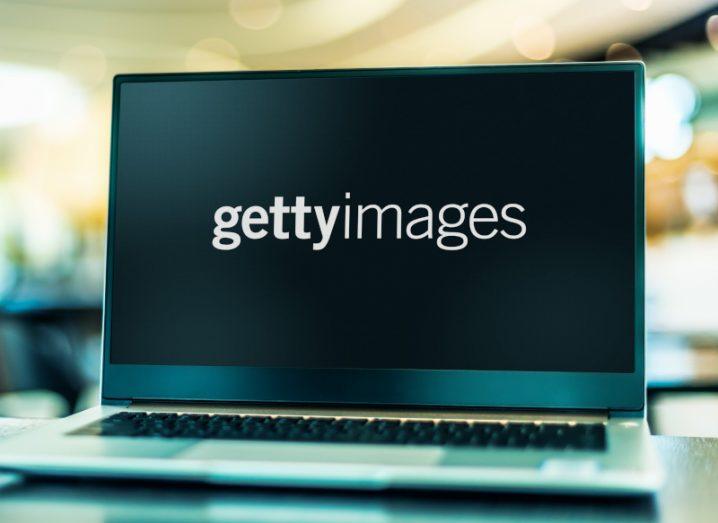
(411, 388)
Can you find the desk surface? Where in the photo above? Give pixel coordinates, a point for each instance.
(690, 494)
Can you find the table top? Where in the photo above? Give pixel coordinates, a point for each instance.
(690, 494)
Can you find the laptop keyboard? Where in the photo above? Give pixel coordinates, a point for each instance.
(557, 436)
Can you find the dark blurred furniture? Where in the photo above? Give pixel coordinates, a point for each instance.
(676, 362)
(689, 495)
(682, 376)
(49, 346)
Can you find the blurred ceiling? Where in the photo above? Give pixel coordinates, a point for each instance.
(161, 35)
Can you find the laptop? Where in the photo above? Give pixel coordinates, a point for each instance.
(423, 278)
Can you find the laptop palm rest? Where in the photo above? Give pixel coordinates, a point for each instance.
(315, 453)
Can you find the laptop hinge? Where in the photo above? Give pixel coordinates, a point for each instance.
(641, 413)
(116, 402)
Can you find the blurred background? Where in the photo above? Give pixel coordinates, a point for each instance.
(57, 60)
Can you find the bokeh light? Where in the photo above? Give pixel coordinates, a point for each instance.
(712, 31)
(671, 101)
(700, 191)
(622, 52)
(255, 14)
(533, 38)
(29, 95)
(637, 5)
(213, 54)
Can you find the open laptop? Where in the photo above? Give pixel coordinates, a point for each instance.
(385, 278)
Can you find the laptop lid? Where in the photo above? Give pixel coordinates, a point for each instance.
(458, 237)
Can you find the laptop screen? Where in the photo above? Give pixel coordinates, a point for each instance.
(442, 221)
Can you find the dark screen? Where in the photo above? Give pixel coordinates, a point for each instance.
(543, 282)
